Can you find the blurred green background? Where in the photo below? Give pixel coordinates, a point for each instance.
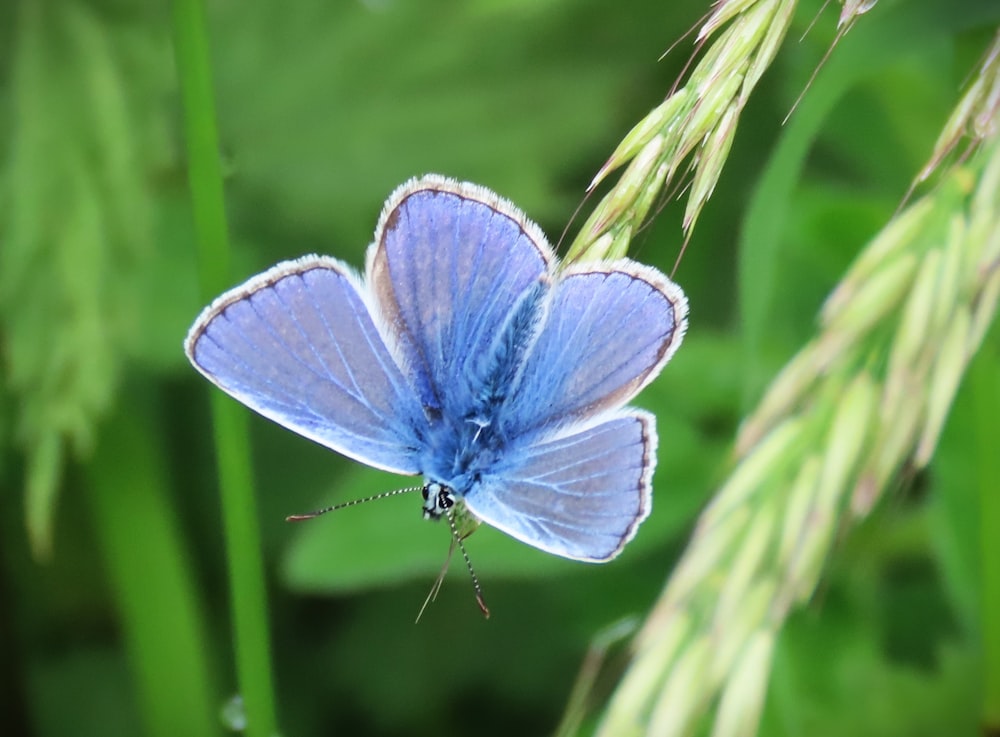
(119, 622)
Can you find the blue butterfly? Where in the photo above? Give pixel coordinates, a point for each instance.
(465, 354)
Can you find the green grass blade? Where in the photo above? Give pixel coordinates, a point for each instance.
(246, 569)
(151, 577)
(987, 391)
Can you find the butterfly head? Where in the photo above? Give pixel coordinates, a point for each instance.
(438, 500)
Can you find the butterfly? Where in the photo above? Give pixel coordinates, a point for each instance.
(468, 355)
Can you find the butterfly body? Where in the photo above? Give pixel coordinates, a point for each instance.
(467, 356)
(469, 438)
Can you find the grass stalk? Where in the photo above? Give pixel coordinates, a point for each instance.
(243, 550)
(692, 129)
(151, 573)
(987, 404)
(865, 400)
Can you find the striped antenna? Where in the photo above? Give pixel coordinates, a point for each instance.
(456, 541)
(335, 507)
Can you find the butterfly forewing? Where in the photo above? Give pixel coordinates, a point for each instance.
(608, 332)
(451, 264)
(298, 345)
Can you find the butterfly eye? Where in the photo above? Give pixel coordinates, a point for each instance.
(445, 500)
(438, 499)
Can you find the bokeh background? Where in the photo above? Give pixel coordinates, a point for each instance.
(114, 612)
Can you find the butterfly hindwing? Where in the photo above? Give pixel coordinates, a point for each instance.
(298, 344)
(581, 496)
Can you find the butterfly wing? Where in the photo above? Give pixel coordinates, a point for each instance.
(450, 265)
(298, 344)
(581, 496)
(608, 332)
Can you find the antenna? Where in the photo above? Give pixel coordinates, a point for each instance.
(468, 564)
(335, 507)
(432, 594)
(456, 541)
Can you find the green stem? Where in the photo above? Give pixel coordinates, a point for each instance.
(246, 568)
(586, 679)
(986, 387)
(151, 574)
